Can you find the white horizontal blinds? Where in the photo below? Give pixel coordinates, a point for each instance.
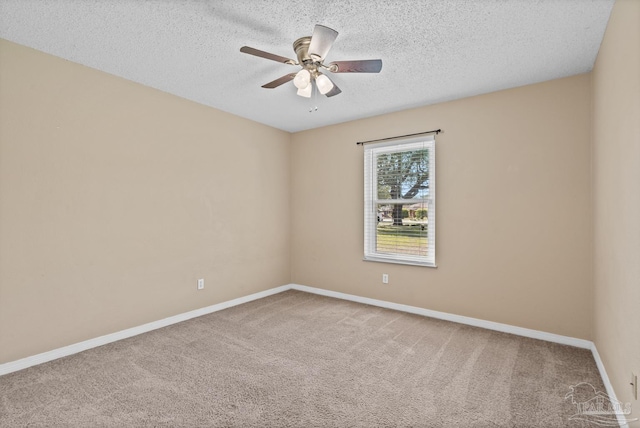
(431, 205)
(370, 218)
(400, 201)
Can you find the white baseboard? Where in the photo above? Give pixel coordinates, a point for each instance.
(489, 325)
(607, 384)
(44, 357)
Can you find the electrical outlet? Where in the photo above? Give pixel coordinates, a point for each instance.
(634, 385)
(385, 278)
(200, 283)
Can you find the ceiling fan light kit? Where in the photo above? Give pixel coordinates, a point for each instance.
(311, 53)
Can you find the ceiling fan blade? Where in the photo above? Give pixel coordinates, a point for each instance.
(282, 80)
(267, 55)
(321, 41)
(334, 91)
(361, 66)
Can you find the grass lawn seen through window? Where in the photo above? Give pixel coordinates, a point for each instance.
(406, 239)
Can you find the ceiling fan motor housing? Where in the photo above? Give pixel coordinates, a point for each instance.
(301, 47)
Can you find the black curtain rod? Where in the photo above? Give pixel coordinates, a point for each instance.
(435, 131)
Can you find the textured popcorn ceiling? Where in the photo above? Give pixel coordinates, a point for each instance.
(432, 50)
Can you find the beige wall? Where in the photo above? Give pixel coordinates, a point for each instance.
(514, 209)
(115, 198)
(616, 187)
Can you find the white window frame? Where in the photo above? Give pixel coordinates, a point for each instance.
(371, 151)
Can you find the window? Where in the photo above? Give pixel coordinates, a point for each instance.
(399, 201)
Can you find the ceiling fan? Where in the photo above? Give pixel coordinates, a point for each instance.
(311, 53)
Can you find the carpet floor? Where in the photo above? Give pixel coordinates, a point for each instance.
(301, 360)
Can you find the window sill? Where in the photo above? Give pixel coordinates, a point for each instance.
(399, 262)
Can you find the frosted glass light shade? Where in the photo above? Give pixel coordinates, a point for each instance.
(306, 91)
(302, 79)
(324, 84)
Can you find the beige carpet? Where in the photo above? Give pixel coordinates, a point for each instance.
(301, 360)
